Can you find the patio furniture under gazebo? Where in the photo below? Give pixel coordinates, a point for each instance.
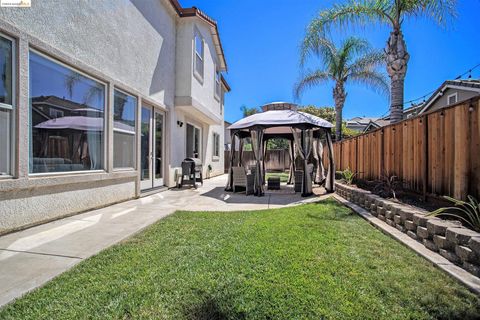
(303, 130)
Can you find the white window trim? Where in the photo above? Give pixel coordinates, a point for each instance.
(198, 76)
(215, 137)
(450, 96)
(217, 83)
(12, 108)
(106, 112)
(200, 143)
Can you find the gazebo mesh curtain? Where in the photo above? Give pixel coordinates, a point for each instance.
(318, 156)
(256, 135)
(303, 140)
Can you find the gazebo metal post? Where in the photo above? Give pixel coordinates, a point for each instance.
(330, 181)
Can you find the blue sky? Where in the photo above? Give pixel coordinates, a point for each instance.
(261, 42)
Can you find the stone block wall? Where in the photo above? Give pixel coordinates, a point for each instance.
(449, 238)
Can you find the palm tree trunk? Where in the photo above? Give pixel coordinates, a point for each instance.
(339, 96)
(397, 61)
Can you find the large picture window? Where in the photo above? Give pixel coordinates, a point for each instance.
(124, 111)
(66, 118)
(198, 56)
(6, 105)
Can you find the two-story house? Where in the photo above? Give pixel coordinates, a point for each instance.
(101, 101)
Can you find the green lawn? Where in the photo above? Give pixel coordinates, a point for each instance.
(308, 262)
(283, 176)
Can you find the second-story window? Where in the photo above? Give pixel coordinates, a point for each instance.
(217, 84)
(198, 62)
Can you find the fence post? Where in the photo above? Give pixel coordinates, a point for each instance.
(382, 154)
(425, 158)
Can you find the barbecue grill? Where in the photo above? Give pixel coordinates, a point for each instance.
(191, 172)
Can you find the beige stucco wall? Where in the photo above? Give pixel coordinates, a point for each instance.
(128, 44)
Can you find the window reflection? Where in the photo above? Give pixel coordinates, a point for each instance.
(6, 106)
(67, 118)
(124, 110)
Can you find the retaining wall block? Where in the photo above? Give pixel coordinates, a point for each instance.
(406, 214)
(450, 256)
(465, 253)
(389, 214)
(400, 227)
(442, 243)
(430, 244)
(373, 209)
(473, 269)
(474, 244)
(460, 236)
(409, 225)
(412, 234)
(420, 219)
(439, 227)
(422, 232)
(390, 222)
(397, 219)
(381, 217)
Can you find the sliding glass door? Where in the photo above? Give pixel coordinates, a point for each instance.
(152, 148)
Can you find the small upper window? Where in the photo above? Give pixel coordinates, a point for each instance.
(217, 84)
(452, 99)
(198, 59)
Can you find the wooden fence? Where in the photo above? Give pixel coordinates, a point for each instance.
(435, 153)
(275, 160)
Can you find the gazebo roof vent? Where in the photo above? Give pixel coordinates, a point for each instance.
(281, 105)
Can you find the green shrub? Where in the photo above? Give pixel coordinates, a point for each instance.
(468, 212)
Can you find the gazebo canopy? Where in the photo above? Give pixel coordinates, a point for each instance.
(279, 122)
(282, 119)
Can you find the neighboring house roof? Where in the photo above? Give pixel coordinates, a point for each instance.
(469, 85)
(360, 121)
(195, 12)
(376, 124)
(60, 103)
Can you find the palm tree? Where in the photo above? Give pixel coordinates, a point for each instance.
(353, 62)
(386, 12)
(246, 111)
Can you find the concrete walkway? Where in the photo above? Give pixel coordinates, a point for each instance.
(31, 257)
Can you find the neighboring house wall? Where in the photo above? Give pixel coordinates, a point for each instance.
(442, 101)
(128, 45)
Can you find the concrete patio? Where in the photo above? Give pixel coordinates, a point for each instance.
(31, 257)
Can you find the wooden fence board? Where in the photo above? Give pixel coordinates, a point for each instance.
(435, 153)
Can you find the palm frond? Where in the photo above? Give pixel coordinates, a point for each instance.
(314, 43)
(353, 13)
(310, 79)
(438, 10)
(368, 61)
(372, 79)
(350, 48)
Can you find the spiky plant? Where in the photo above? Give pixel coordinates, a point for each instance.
(468, 212)
(354, 61)
(392, 13)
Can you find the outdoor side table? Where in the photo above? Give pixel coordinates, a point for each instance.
(274, 183)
